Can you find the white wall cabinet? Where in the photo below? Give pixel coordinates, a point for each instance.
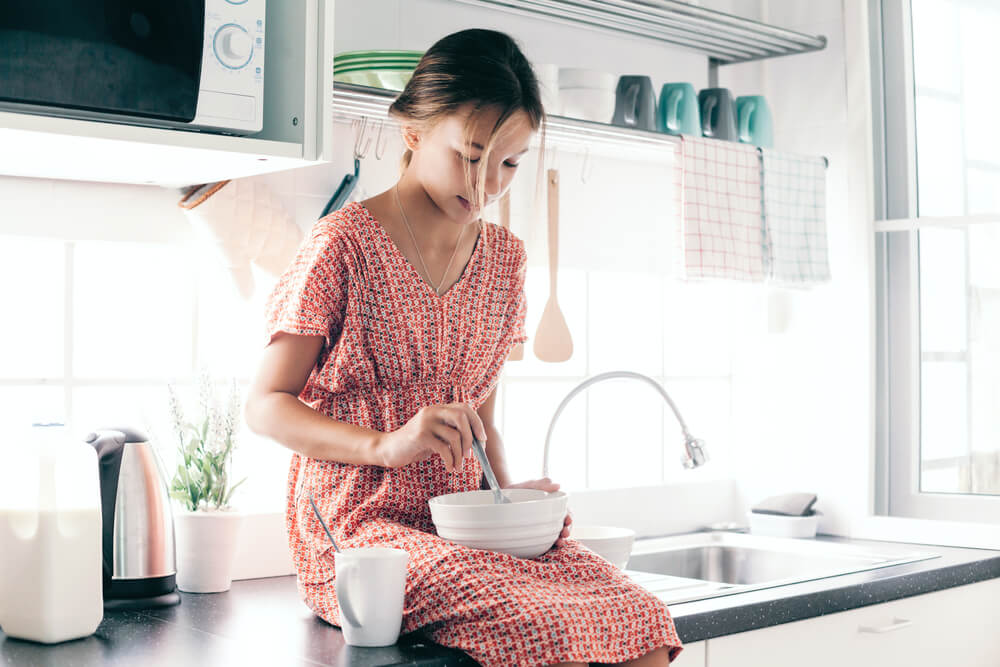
(297, 131)
(950, 627)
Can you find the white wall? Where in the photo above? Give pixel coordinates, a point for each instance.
(803, 390)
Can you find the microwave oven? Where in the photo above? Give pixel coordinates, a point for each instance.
(195, 64)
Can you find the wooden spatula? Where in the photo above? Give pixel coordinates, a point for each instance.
(517, 352)
(552, 340)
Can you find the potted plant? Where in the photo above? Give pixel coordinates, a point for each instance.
(206, 527)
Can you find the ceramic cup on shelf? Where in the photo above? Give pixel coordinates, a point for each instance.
(718, 114)
(370, 586)
(635, 103)
(678, 110)
(754, 120)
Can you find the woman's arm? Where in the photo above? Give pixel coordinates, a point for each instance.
(273, 408)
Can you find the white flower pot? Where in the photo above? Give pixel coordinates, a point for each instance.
(206, 545)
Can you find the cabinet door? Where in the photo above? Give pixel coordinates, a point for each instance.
(947, 627)
(693, 655)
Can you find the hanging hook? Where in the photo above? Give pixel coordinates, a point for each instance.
(359, 152)
(380, 143)
(584, 171)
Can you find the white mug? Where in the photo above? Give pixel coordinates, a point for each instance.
(370, 586)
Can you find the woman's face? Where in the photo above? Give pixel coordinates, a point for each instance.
(441, 154)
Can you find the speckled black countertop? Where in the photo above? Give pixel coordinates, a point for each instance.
(262, 621)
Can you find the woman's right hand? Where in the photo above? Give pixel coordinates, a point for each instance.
(445, 430)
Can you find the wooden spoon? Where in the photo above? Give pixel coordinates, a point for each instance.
(552, 339)
(517, 352)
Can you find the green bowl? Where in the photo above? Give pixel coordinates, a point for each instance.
(376, 78)
(386, 65)
(365, 55)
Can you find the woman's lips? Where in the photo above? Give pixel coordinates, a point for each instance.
(465, 203)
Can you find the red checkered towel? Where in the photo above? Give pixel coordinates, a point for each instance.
(719, 186)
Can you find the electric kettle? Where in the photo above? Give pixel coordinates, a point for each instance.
(137, 525)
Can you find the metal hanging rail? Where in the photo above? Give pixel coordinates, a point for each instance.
(724, 38)
(353, 102)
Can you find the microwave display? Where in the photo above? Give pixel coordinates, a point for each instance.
(133, 57)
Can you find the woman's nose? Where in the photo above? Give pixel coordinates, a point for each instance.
(493, 183)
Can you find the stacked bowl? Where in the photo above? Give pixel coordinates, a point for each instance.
(526, 527)
(390, 70)
(587, 93)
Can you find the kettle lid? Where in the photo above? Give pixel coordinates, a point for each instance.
(128, 435)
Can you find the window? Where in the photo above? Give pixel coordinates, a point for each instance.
(938, 244)
(95, 330)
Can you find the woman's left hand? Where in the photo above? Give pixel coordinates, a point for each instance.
(545, 484)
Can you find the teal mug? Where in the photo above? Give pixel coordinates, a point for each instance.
(754, 119)
(678, 112)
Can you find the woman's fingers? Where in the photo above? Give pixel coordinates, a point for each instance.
(544, 484)
(452, 441)
(475, 422)
(459, 420)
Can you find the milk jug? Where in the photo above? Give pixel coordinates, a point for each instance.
(50, 536)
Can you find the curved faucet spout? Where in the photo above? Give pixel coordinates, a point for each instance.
(694, 449)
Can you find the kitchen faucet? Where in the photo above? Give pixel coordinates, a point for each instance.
(694, 449)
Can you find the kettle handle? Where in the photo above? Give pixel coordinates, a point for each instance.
(109, 445)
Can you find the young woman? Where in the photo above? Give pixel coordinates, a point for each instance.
(385, 341)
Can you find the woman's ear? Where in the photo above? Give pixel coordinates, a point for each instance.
(410, 137)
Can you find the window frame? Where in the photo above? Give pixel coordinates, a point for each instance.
(897, 282)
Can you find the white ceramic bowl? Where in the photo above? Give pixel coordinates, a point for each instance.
(581, 77)
(527, 527)
(587, 103)
(776, 525)
(610, 543)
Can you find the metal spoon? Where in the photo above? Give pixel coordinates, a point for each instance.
(323, 523)
(499, 496)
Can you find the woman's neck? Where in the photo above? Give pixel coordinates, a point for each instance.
(429, 223)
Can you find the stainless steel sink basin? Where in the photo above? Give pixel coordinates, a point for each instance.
(698, 565)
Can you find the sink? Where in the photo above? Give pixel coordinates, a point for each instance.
(700, 565)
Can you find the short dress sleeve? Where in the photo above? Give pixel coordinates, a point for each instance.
(517, 307)
(310, 297)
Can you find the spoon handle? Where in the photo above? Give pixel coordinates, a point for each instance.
(323, 523)
(491, 478)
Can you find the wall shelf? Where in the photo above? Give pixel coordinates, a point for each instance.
(726, 39)
(353, 102)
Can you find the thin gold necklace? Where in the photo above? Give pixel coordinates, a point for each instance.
(427, 273)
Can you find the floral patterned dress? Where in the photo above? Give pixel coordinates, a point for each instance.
(393, 346)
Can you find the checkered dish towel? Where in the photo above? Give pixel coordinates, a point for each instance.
(795, 218)
(720, 199)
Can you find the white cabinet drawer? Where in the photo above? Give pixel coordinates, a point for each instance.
(949, 627)
(693, 655)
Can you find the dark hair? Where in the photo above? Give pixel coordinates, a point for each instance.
(484, 68)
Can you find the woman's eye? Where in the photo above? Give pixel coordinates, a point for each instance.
(471, 160)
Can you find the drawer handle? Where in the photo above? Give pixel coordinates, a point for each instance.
(897, 624)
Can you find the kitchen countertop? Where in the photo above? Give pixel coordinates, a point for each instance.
(263, 620)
